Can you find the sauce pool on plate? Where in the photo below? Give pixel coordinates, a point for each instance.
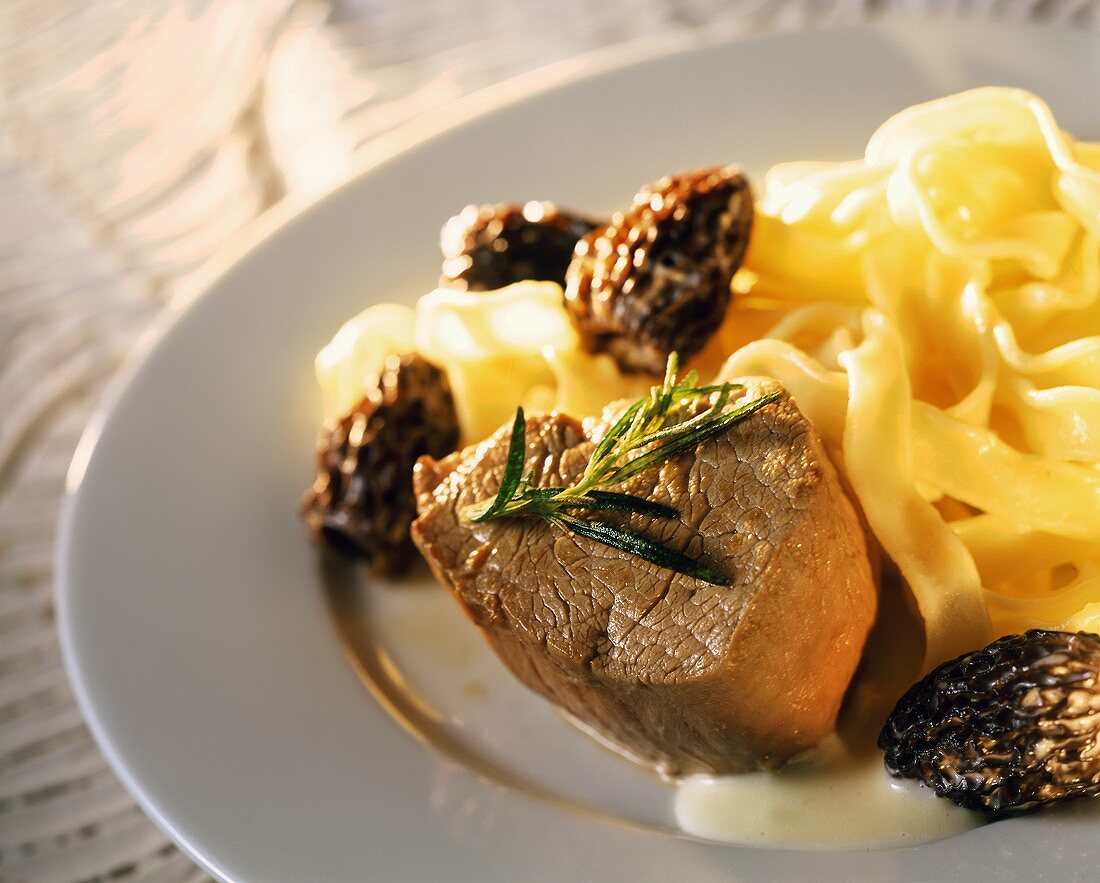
(841, 801)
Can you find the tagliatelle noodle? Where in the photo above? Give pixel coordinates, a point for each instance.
(969, 236)
(878, 437)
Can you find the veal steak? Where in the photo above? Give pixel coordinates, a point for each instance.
(680, 674)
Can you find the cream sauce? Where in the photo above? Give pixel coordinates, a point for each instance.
(841, 797)
(842, 802)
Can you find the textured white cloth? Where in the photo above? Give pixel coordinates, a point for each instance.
(136, 137)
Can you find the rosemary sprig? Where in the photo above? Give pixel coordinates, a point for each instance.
(646, 434)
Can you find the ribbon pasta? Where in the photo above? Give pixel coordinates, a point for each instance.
(968, 404)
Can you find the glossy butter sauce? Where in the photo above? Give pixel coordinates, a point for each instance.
(839, 801)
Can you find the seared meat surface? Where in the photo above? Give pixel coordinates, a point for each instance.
(682, 675)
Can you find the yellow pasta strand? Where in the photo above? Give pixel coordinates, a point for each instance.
(971, 464)
(1003, 549)
(939, 570)
(971, 226)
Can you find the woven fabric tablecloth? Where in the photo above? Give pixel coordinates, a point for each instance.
(136, 138)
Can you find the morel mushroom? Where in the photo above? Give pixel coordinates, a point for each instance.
(486, 247)
(657, 278)
(362, 501)
(1006, 729)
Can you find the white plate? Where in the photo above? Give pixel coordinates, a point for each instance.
(201, 643)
